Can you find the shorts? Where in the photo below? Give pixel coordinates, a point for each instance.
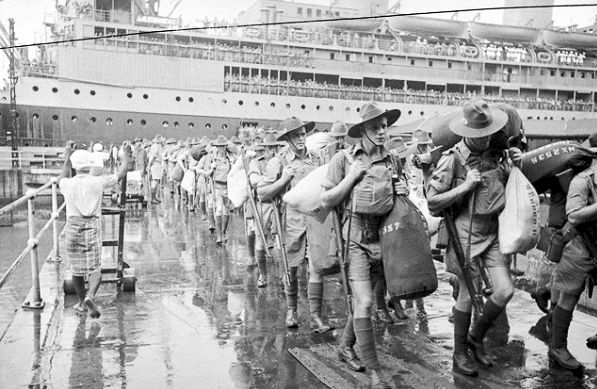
(574, 267)
(364, 261)
(296, 237)
(491, 257)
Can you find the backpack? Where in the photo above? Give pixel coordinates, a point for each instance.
(374, 193)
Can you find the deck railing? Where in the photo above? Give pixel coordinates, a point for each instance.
(34, 300)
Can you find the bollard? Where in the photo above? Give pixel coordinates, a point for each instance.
(36, 302)
(56, 256)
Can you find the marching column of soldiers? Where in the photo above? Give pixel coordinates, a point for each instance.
(366, 171)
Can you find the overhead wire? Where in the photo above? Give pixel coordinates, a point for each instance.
(298, 22)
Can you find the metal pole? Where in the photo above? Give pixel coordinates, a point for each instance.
(12, 77)
(36, 302)
(56, 257)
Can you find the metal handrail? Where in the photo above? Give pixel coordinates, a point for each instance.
(35, 301)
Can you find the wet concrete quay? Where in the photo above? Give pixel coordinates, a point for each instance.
(198, 320)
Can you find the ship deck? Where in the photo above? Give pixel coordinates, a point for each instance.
(197, 320)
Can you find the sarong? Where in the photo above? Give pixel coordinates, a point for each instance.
(83, 243)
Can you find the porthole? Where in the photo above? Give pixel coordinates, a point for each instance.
(55, 90)
(109, 122)
(176, 125)
(273, 105)
(35, 116)
(165, 124)
(224, 101)
(538, 118)
(287, 105)
(410, 112)
(551, 118)
(74, 118)
(358, 109)
(55, 117)
(35, 88)
(191, 125)
(92, 119)
(77, 91)
(240, 102)
(302, 106)
(257, 103)
(177, 98)
(191, 99)
(318, 107)
(129, 122)
(422, 113)
(545, 118)
(563, 118)
(573, 118)
(145, 96)
(129, 95)
(143, 122)
(92, 93)
(331, 108)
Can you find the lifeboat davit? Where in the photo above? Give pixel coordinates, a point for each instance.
(574, 40)
(428, 26)
(364, 25)
(499, 33)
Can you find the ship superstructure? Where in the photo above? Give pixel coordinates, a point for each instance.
(207, 81)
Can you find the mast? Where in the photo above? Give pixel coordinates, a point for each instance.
(12, 77)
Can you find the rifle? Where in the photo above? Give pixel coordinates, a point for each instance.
(282, 243)
(343, 249)
(253, 205)
(463, 262)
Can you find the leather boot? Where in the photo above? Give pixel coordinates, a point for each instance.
(291, 292)
(462, 364)
(291, 319)
(347, 355)
(377, 380)
(395, 305)
(564, 358)
(225, 220)
(219, 229)
(478, 349)
(315, 293)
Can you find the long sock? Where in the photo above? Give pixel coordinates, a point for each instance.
(211, 218)
(219, 226)
(560, 323)
(363, 330)
(315, 293)
(251, 245)
(261, 263)
(202, 208)
(379, 292)
(490, 312)
(225, 220)
(292, 290)
(462, 322)
(348, 337)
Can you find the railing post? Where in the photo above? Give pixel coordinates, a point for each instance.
(56, 257)
(36, 302)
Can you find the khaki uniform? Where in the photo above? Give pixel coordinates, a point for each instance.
(577, 262)
(296, 222)
(450, 172)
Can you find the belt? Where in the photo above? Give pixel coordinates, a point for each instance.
(221, 182)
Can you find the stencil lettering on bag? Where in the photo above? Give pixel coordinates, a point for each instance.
(390, 227)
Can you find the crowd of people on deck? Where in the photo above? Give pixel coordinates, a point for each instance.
(312, 88)
(324, 199)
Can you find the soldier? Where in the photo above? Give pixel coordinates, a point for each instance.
(467, 168)
(220, 165)
(155, 167)
(343, 185)
(282, 173)
(579, 260)
(257, 169)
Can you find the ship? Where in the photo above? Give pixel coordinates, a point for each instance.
(119, 69)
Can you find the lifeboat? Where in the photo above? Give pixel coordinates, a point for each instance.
(428, 26)
(498, 33)
(252, 32)
(574, 40)
(365, 25)
(544, 57)
(301, 36)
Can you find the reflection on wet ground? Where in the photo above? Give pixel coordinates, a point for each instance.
(197, 320)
